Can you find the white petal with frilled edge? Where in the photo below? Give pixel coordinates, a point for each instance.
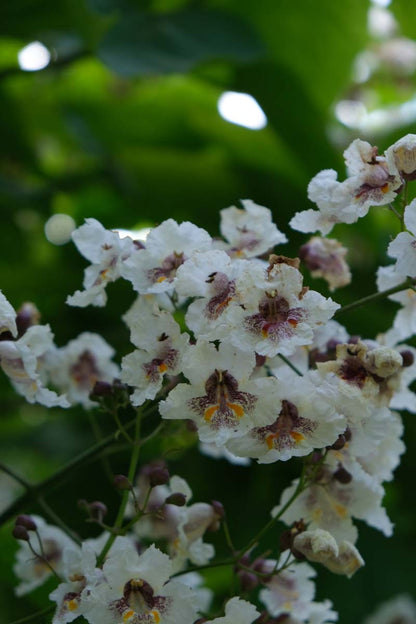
(237, 611)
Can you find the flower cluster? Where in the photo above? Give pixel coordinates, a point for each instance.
(227, 338)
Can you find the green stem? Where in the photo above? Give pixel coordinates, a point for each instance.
(131, 474)
(299, 489)
(228, 536)
(409, 283)
(15, 476)
(289, 363)
(49, 512)
(98, 434)
(34, 491)
(213, 564)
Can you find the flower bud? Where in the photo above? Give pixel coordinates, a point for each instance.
(403, 155)
(121, 482)
(407, 357)
(248, 580)
(27, 522)
(342, 475)
(26, 316)
(218, 509)
(20, 533)
(158, 476)
(338, 444)
(177, 498)
(101, 389)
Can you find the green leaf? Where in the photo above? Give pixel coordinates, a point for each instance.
(144, 44)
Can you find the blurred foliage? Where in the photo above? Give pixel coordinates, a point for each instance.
(123, 126)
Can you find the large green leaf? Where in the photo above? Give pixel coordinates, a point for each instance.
(144, 43)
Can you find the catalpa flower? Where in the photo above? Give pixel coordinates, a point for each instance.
(107, 252)
(325, 257)
(161, 348)
(250, 232)
(237, 611)
(403, 247)
(211, 276)
(220, 398)
(371, 182)
(23, 362)
(50, 543)
(404, 324)
(332, 501)
(276, 314)
(402, 156)
(79, 571)
(76, 368)
(291, 592)
(137, 590)
(153, 269)
(305, 420)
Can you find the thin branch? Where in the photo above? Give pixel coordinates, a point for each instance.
(409, 283)
(34, 491)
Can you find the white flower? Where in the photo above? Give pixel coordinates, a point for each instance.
(403, 247)
(398, 609)
(79, 570)
(330, 504)
(23, 362)
(76, 368)
(402, 156)
(212, 276)
(106, 251)
(237, 611)
(277, 314)
(220, 398)
(250, 232)
(33, 570)
(305, 420)
(325, 257)
(137, 590)
(404, 324)
(153, 269)
(7, 317)
(161, 348)
(371, 182)
(289, 592)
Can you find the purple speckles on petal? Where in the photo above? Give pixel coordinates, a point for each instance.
(224, 292)
(288, 430)
(224, 404)
(168, 268)
(274, 320)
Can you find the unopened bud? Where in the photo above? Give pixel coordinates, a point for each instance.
(97, 510)
(20, 533)
(158, 476)
(177, 498)
(27, 522)
(27, 316)
(101, 389)
(342, 475)
(122, 483)
(407, 357)
(248, 580)
(285, 540)
(218, 509)
(338, 444)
